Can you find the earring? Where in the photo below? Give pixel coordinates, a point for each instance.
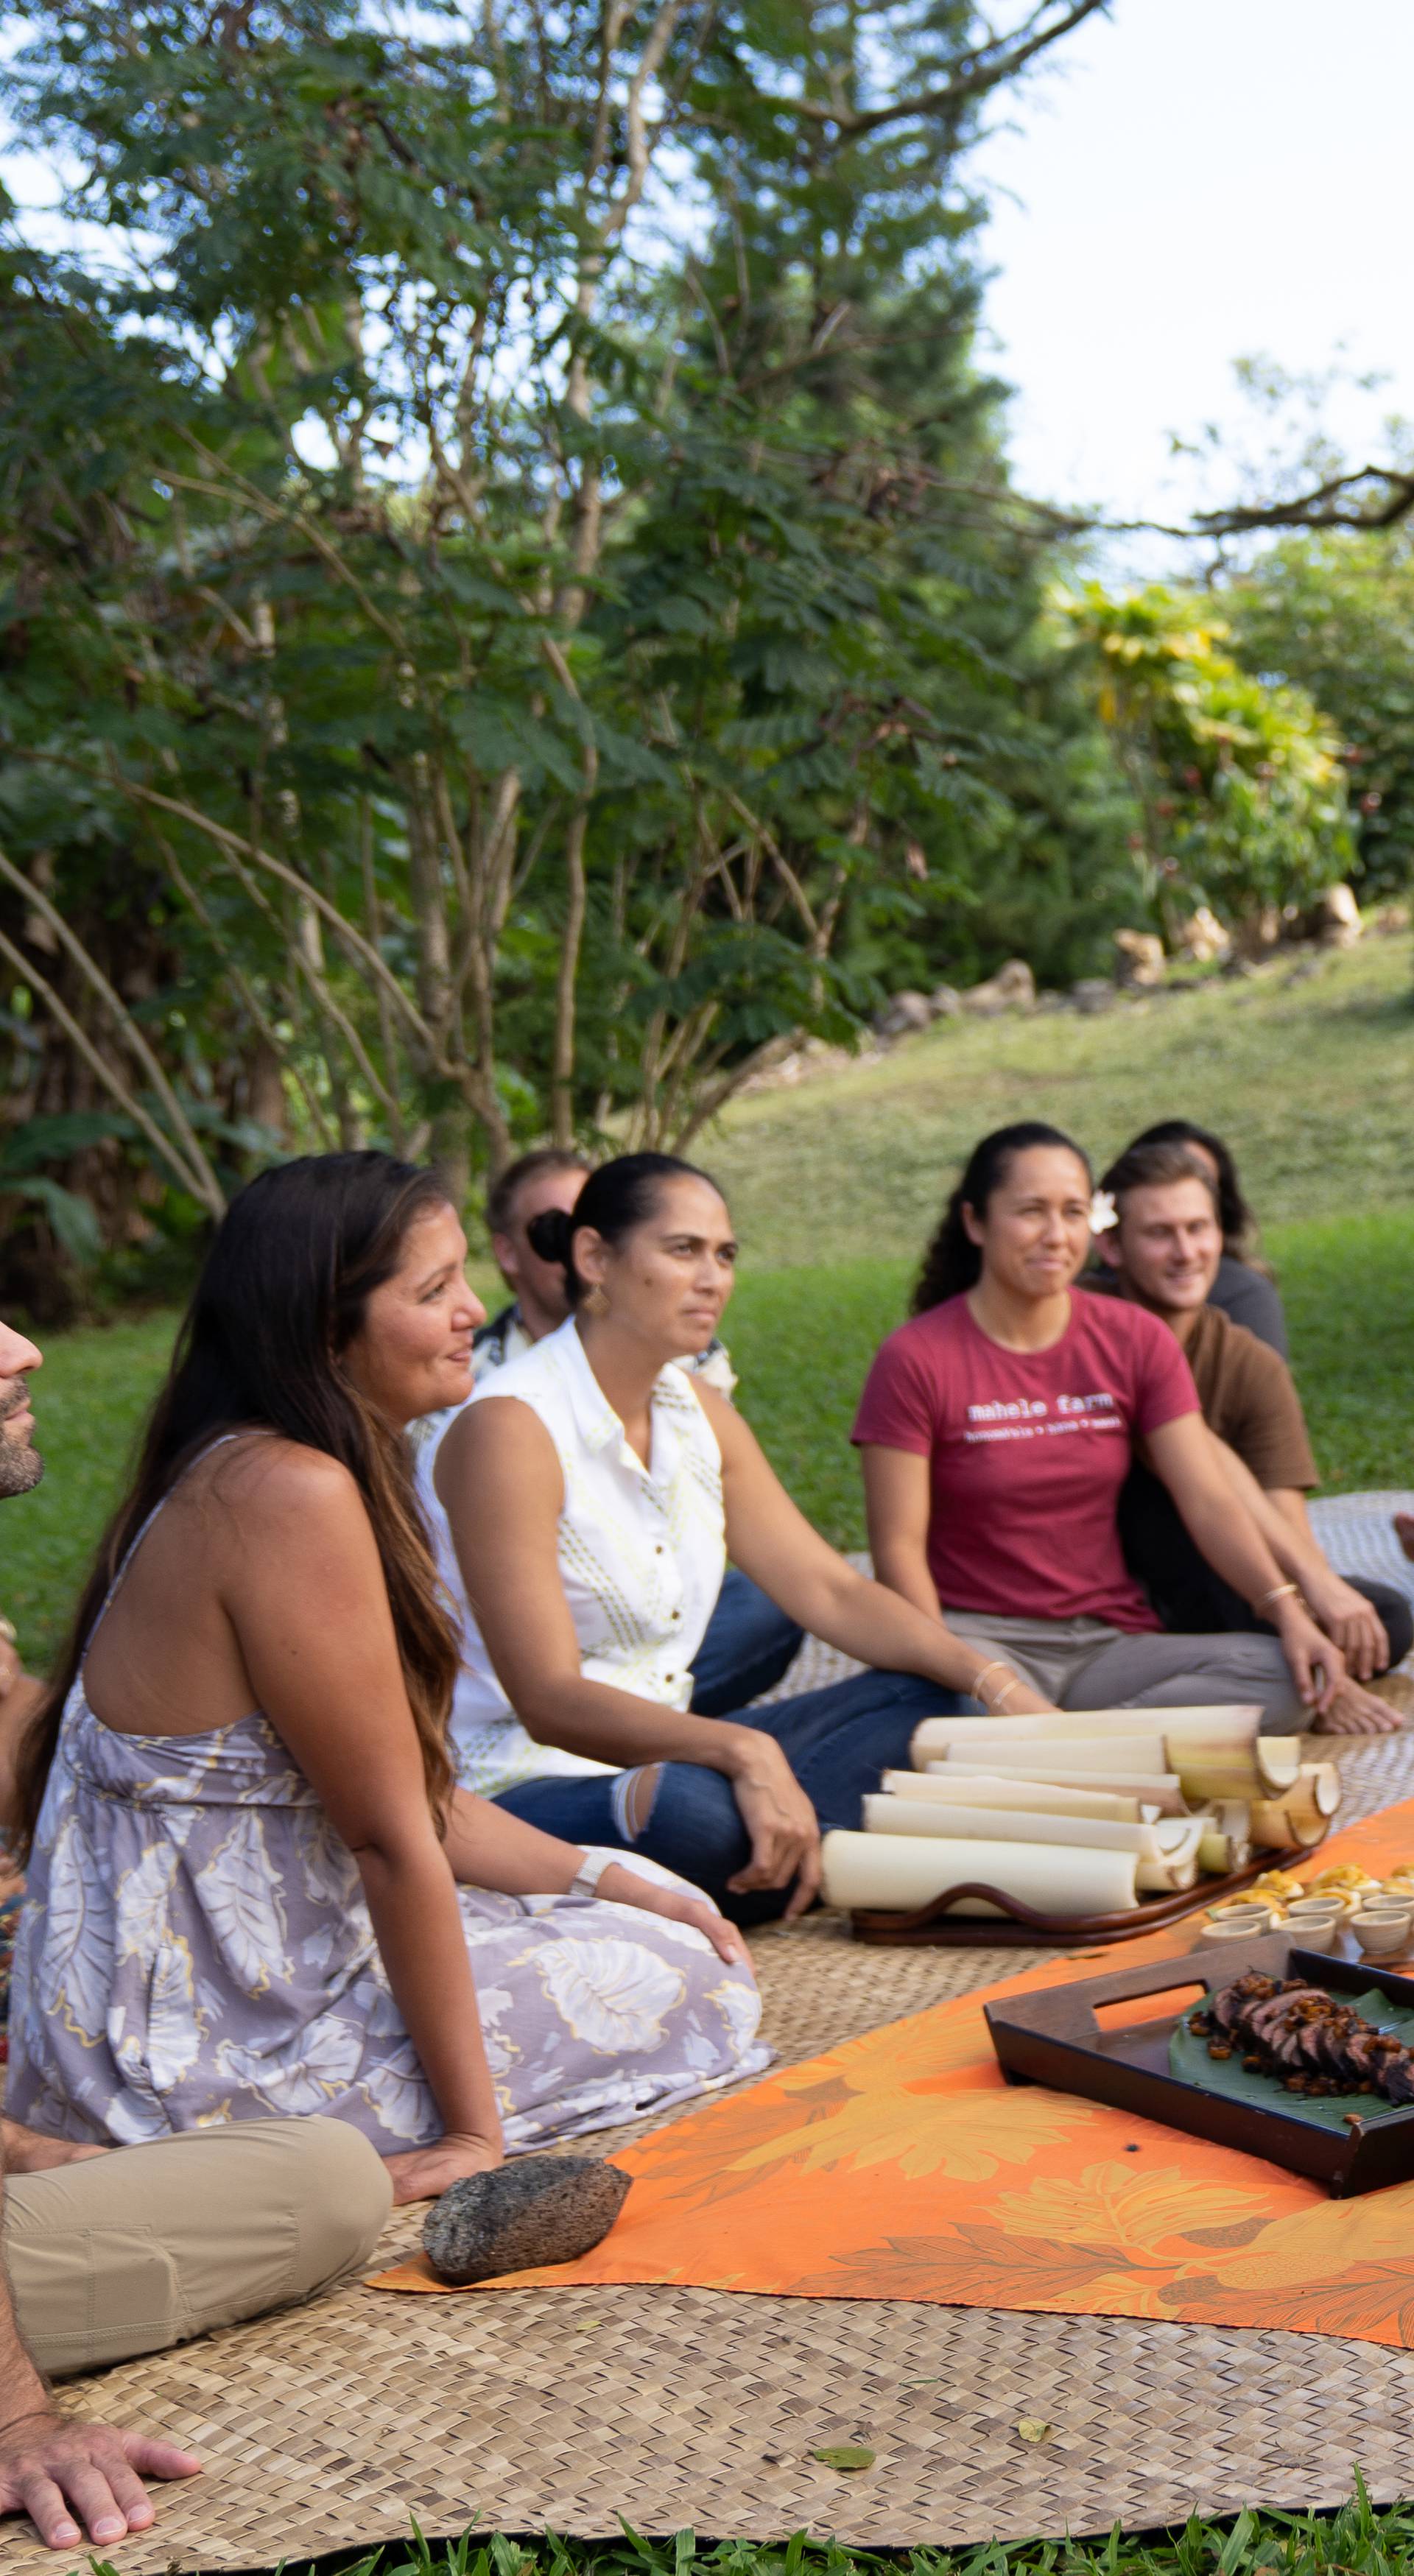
(596, 1303)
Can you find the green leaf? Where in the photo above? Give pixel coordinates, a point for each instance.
(846, 2456)
(75, 1225)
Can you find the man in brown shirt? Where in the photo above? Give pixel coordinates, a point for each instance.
(1162, 1252)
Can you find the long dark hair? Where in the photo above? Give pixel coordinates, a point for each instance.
(282, 1293)
(615, 1199)
(1238, 1223)
(953, 1262)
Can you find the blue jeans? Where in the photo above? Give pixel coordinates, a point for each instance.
(747, 1648)
(837, 1742)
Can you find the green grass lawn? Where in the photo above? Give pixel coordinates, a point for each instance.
(1312, 1081)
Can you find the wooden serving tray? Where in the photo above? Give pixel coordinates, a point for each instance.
(933, 1927)
(1055, 2038)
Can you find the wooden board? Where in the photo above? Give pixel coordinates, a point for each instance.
(933, 1927)
(1055, 2037)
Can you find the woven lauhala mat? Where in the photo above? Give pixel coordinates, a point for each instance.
(562, 2409)
(902, 2166)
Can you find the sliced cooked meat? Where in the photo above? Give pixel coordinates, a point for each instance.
(1307, 2039)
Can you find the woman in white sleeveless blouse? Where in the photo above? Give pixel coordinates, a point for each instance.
(583, 1504)
(250, 1887)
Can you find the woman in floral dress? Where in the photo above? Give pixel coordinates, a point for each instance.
(252, 1887)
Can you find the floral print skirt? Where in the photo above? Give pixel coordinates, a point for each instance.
(194, 1946)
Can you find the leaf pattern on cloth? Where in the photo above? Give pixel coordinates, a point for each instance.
(1135, 2214)
(78, 1946)
(617, 1995)
(144, 1896)
(195, 1945)
(964, 2135)
(240, 1898)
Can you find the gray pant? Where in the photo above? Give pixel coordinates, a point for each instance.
(1084, 1663)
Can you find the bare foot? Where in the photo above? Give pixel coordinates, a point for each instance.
(1356, 1711)
(1404, 1532)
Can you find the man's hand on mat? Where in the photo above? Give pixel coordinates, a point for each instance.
(27, 2152)
(1354, 1711)
(1351, 1622)
(71, 2477)
(424, 2173)
(1404, 1531)
(621, 1885)
(778, 1816)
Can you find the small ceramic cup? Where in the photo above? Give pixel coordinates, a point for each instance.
(1383, 1936)
(1252, 1917)
(1320, 1935)
(1315, 1909)
(1223, 1928)
(1376, 1902)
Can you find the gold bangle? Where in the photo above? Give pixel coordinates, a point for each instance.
(998, 1664)
(1276, 1592)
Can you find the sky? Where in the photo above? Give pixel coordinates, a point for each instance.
(1186, 183)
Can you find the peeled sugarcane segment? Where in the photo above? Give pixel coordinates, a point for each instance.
(943, 1780)
(1160, 1789)
(1302, 1814)
(901, 1871)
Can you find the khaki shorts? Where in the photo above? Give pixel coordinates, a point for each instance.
(144, 2247)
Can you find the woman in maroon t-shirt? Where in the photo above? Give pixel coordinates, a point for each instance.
(997, 1427)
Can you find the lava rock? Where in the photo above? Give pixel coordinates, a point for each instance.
(906, 1011)
(539, 2209)
(1012, 988)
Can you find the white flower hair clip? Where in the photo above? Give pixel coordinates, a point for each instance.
(1103, 1212)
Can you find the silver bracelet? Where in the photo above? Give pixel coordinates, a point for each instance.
(585, 1881)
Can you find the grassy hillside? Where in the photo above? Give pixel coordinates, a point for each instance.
(836, 1186)
(1312, 1080)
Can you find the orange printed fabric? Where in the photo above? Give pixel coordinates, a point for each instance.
(901, 2166)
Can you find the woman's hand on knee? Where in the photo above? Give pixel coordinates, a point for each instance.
(621, 1885)
(424, 2173)
(781, 1823)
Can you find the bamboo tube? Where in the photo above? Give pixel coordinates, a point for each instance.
(935, 1737)
(1218, 1752)
(1032, 1797)
(1175, 1866)
(1236, 1722)
(1173, 1838)
(1159, 1789)
(1269, 1765)
(1302, 1814)
(901, 1871)
(1088, 1753)
(1166, 1878)
(1226, 1842)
